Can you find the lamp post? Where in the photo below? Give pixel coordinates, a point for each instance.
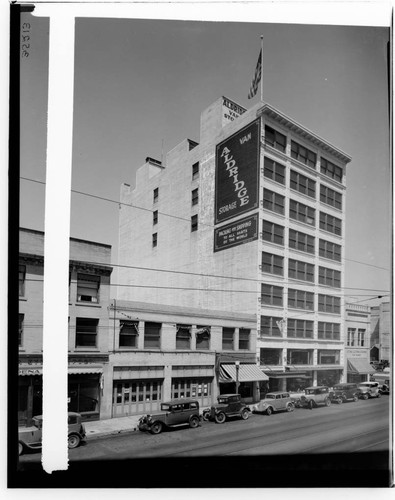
(237, 364)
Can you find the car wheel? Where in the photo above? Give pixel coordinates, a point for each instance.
(365, 396)
(328, 402)
(355, 398)
(73, 441)
(339, 401)
(156, 428)
(269, 410)
(379, 395)
(220, 418)
(245, 414)
(290, 407)
(20, 449)
(193, 422)
(206, 416)
(311, 404)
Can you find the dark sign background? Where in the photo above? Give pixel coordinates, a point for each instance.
(237, 173)
(236, 233)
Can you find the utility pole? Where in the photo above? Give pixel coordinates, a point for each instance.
(237, 364)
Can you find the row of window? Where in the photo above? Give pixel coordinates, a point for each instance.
(272, 326)
(274, 264)
(275, 202)
(300, 153)
(194, 227)
(298, 182)
(356, 337)
(274, 357)
(195, 175)
(299, 299)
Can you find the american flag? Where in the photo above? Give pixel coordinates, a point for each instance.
(257, 77)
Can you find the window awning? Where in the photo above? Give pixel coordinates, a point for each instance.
(247, 373)
(81, 370)
(357, 365)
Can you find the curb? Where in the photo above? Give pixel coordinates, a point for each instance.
(98, 435)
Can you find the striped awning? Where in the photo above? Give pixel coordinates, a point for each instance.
(359, 365)
(247, 373)
(75, 370)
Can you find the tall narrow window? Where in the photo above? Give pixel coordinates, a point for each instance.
(275, 139)
(244, 339)
(128, 332)
(152, 333)
(195, 170)
(155, 217)
(228, 339)
(156, 195)
(203, 335)
(88, 288)
(194, 223)
(20, 330)
(155, 239)
(22, 278)
(183, 337)
(86, 332)
(195, 196)
(361, 337)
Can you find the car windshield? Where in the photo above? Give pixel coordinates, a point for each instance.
(223, 400)
(165, 407)
(310, 391)
(270, 396)
(339, 387)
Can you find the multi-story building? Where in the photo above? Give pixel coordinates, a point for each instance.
(380, 339)
(249, 221)
(357, 349)
(89, 293)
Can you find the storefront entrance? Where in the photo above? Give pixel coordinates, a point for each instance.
(29, 398)
(195, 388)
(84, 395)
(134, 397)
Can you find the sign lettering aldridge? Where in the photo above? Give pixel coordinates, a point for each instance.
(237, 173)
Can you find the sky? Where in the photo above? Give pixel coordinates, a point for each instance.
(140, 86)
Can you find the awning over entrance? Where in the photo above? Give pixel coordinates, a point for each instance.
(247, 373)
(288, 375)
(81, 370)
(359, 365)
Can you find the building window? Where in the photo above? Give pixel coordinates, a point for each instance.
(86, 332)
(154, 217)
(302, 213)
(270, 357)
(273, 201)
(20, 330)
(152, 335)
(351, 337)
(22, 279)
(326, 357)
(244, 339)
(271, 295)
(203, 335)
(275, 139)
(88, 288)
(269, 326)
(300, 329)
(330, 250)
(228, 335)
(272, 232)
(328, 331)
(330, 224)
(301, 241)
(195, 196)
(299, 357)
(361, 337)
(299, 299)
(331, 170)
(329, 277)
(274, 171)
(302, 184)
(183, 337)
(329, 304)
(300, 270)
(195, 170)
(128, 332)
(273, 264)
(330, 197)
(195, 388)
(156, 195)
(303, 154)
(194, 223)
(155, 240)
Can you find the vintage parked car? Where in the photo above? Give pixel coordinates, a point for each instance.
(31, 437)
(315, 396)
(274, 401)
(345, 392)
(296, 398)
(383, 378)
(369, 390)
(229, 405)
(172, 414)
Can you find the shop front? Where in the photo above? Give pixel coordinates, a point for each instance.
(358, 367)
(249, 378)
(194, 382)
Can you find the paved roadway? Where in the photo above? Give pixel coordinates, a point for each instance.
(351, 427)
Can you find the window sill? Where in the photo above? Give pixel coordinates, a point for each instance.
(305, 167)
(339, 236)
(272, 212)
(305, 196)
(87, 304)
(339, 210)
(86, 349)
(303, 224)
(23, 299)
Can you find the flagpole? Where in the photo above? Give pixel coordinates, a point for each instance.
(261, 68)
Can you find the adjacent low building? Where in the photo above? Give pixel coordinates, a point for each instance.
(381, 339)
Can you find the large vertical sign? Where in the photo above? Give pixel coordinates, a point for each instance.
(237, 173)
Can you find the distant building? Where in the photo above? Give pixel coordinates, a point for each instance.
(358, 343)
(380, 339)
(89, 292)
(249, 221)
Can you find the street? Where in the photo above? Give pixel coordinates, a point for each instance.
(351, 427)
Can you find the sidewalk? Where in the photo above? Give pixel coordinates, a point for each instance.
(111, 426)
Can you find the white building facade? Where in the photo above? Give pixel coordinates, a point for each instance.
(251, 220)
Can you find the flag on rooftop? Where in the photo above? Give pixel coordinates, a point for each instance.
(257, 77)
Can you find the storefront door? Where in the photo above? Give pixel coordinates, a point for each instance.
(135, 397)
(194, 388)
